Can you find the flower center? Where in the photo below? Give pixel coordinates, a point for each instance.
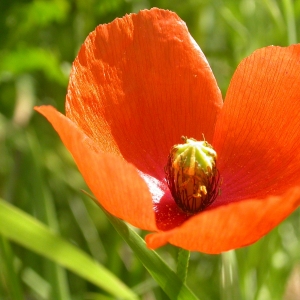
(192, 176)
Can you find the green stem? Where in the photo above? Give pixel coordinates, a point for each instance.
(183, 263)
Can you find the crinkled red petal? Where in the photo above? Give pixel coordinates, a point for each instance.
(257, 139)
(139, 84)
(258, 132)
(229, 226)
(115, 183)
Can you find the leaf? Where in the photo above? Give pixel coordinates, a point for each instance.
(182, 263)
(23, 229)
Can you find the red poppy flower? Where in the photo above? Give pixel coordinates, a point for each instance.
(139, 84)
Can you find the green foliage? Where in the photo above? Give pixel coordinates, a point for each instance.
(28, 232)
(39, 40)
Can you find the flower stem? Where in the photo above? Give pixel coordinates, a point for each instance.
(182, 263)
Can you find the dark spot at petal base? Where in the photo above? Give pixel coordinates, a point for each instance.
(168, 214)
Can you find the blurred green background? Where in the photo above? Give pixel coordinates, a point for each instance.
(38, 42)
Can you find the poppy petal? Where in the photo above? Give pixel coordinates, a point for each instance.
(139, 84)
(115, 183)
(257, 135)
(168, 214)
(229, 226)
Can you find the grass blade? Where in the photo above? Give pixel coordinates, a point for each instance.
(10, 278)
(45, 212)
(229, 277)
(30, 233)
(288, 7)
(183, 263)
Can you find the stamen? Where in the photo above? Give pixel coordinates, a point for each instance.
(192, 176)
